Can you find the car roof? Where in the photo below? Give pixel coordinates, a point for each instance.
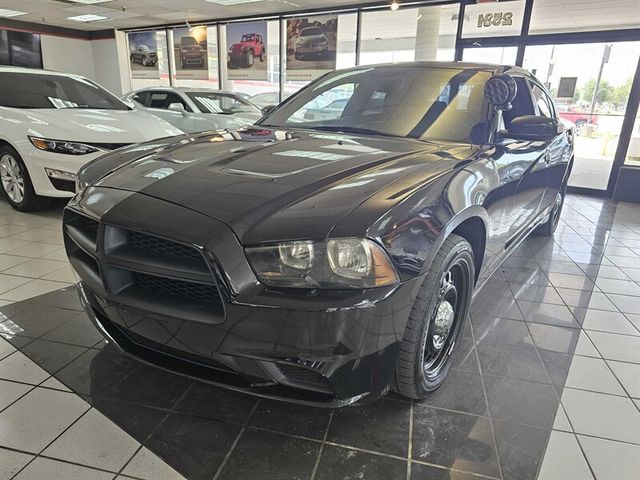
(182, 89)
(497, 68)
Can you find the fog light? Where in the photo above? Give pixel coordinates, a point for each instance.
(61, 175)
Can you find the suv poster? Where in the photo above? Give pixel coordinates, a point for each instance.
(143, 54)
(191, 52)
(311, 46)
(247, 51)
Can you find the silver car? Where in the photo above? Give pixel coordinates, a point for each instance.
(195, 109)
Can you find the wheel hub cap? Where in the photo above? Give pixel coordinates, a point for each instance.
(11, 176)
(442, 324)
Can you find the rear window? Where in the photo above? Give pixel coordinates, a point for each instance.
(25, 90)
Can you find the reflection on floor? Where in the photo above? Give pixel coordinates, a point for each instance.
(546, 384)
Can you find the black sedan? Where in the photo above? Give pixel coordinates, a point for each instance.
(324, 259)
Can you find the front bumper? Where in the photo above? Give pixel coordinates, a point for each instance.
(304, 50)
(326, 348)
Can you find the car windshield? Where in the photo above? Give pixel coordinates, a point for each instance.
(213, 102)
(307, 32)
(247, 38)
(34, 90)
(188, 41)
(428, 103)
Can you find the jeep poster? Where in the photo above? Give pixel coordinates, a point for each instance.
(191, 52)
(311, 46)
(143, 54)
(247, 51)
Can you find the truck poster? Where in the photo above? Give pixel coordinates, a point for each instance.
(311, 46)
(190, 52)
(143, 54)
(247, 51)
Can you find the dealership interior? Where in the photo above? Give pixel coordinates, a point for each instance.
(137, 343)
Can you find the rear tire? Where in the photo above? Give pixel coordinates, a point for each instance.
(436, 320)
(16, 183)
(548, 228)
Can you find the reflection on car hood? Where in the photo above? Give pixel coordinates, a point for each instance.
(90, 125)
(270, 184)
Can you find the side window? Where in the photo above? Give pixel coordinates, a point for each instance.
(142, 98)
(162, 100)
(545, 106)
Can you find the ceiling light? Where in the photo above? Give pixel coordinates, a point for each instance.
(232, 2)
(395, 5)
(88, 18)
(10, 13)
(90, 2)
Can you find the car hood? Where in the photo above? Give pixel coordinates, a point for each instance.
(90, 125)
(267, 184)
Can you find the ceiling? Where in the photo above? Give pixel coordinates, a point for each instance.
(140, 13)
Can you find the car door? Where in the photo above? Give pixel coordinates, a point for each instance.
(527, 165)
(158, 102)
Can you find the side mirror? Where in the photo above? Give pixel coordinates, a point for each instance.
(500, 91)
(268, 109)
(532, 127)
(176, 107)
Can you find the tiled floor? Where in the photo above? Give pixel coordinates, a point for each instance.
(546, 381)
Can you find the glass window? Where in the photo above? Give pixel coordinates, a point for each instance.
(590, 86)
(409, 34)
(497, 55)
(225, 103)
(25, 90)
(553, 16)
(164, 99)
(493, 19)
(417, 102)
(542, 101)
(633, 152)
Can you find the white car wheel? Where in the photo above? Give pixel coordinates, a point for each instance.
(12, 178)
(16, 183)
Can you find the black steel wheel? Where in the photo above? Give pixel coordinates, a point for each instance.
(436, 320)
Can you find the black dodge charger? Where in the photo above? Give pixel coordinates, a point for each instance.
(322, 258)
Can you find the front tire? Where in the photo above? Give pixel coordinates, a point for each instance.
(16, 183)
(548, 228)
(436, 320)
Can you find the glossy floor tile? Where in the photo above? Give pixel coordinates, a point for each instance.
(545, 383)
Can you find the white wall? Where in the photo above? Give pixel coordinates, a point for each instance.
(106, 65)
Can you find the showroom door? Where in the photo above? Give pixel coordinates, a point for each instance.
(590, 86)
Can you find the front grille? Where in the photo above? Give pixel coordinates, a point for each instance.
(304, 378)
(143, 271)
(175, 288)
(151, 243)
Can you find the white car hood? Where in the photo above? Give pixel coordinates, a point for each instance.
(90, 125)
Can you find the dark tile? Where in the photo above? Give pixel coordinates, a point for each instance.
(36, 320)
(557, 365)
(381, 426)
(534, 276)
(51, 356)
(521, 449)
(501, 330)
(553, 338)
(77, 331)
(209, 401)
(454, 439)
(291, 418)
(492, 307)
(195, 447)
(64, 298)
(151, 386)
(137, 421)
(427, 472)
(548, 314)
(344, 464)
(464, 356)
(15, 340)
(517, 361)
(536, 293)
(96, 372)
(521, 401)
(461, 391)
(261, 454)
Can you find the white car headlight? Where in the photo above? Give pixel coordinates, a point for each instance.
(62, 146)
(336, 263)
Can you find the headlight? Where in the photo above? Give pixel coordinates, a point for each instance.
(80, 184)
(337, 263)
(62, 146)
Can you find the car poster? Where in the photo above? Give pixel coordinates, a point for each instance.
(191, 52)
(311, 46)
(247, 51)
(143, 54)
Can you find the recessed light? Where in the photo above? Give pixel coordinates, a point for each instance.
(90, 17)
(90, 2)
(10, 13)
(232, 2)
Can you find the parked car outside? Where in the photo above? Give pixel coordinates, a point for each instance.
(265, 99)
(53, 123)
(327, 261)
(577, 116)
(312, 41)
(244, 53)
(144, 56)
(195, 109)
(192, 53)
